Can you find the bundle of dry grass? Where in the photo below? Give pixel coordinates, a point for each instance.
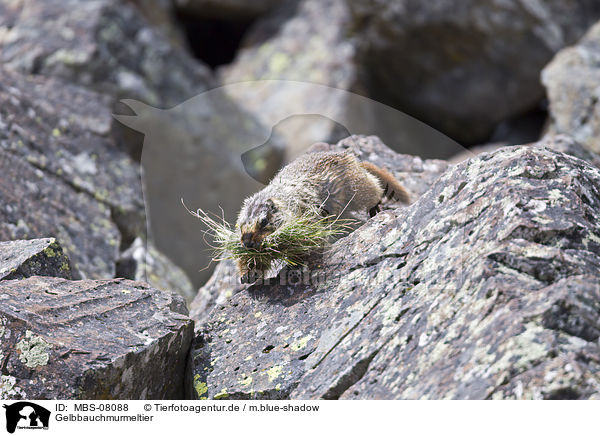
(290, 244)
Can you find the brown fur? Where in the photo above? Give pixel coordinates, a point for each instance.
(392, 187)
(326, 183)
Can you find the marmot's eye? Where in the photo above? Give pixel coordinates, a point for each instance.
(264, 222)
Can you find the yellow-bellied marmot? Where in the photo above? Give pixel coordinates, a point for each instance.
(328, 183)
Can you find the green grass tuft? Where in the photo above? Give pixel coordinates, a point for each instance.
(290, 244)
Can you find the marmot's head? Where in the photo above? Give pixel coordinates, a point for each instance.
(258, 218)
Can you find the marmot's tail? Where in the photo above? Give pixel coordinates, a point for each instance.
(391, 187)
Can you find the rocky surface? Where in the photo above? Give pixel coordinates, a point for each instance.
(34, 257)
(300, 75)
(327, 60)
(114, 339)
(488, 286)
(64, 130)
(563, 143)
(571, 82)
(444, 61)
(106, 45)
(160, 14)
(142, 262)
(74, 181)
(62, 175)
(34, 204)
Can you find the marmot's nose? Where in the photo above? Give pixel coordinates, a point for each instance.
(247, 240)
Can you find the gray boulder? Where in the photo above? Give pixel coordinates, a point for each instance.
(106, 45)
(143, 262)
(463, 66)
(35, 204)
(298, 71)
(62, 175)
(93, 340)
(571, 82)
(34, 257)
(66, 176)
(64, 130)
(563, 143)
(487, 286)
(160, 14)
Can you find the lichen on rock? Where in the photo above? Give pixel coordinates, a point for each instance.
(486, 287)
(33, 350)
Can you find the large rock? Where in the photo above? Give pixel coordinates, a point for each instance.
(35, 204)
(56, 133)
(65, 131)
(488, 286)
(562, 143)
(463, 66)
(572, 82)
(301, 24)
(88, 339)
(567, 144)
(34, 257)
(62, 175)
(65, 176)
(143, 262)
(298, 72)
(416, 174)
(106, 45)
(161, 15)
